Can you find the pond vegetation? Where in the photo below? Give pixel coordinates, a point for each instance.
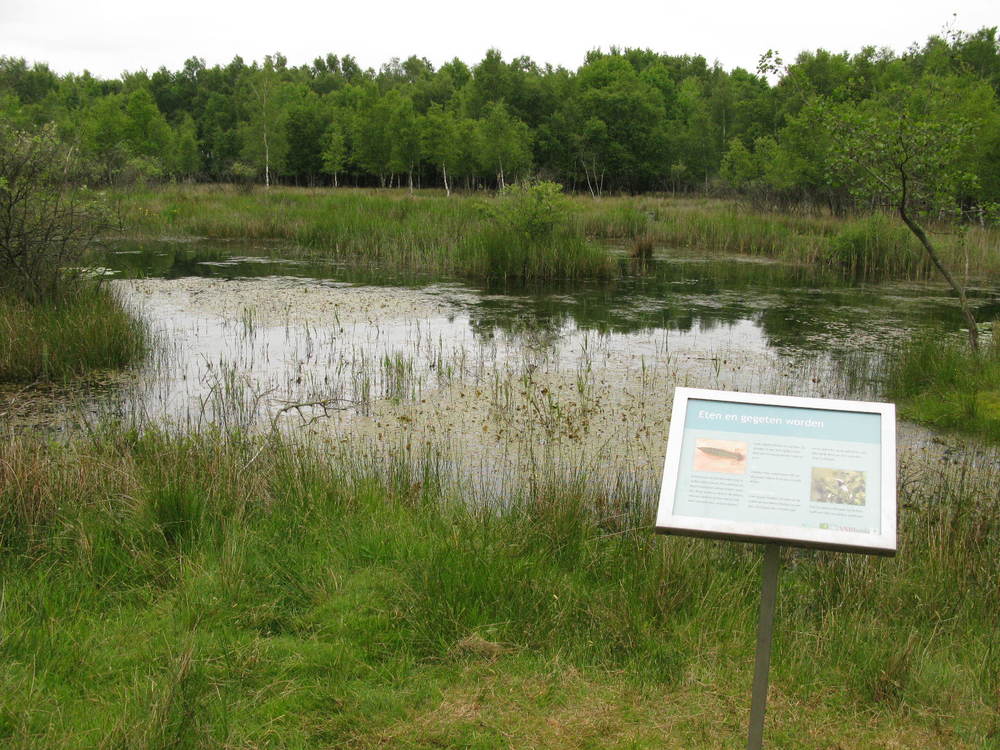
(434, 234)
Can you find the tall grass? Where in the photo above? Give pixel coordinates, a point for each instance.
(213, 590)
(942, 383)
(873, 247)
(85, 328)
(426, 233)
(430, 232)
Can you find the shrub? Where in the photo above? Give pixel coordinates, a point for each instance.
(533, 210)
(529, 236)
(47, 219)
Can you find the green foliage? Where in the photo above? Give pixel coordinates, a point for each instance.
(505, 146)
(530, 236)
(265, 98)
(334, 151)
(185, 158)
(243, 175)
(739, 168)
(906, 146)
(305, 127)
(624, 121)
(533, 210)
(46, 218)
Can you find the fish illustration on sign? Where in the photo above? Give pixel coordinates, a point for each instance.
(723, 456)
(723, 453)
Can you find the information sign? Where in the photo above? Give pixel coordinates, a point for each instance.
(802, 471)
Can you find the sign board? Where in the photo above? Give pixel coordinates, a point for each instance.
(807, 472)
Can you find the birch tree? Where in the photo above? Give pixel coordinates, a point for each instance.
(906, 148)
(506, 143)
(264, 137)
(440, 141)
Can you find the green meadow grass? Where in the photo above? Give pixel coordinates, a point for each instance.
(86, 328)
(212, 590)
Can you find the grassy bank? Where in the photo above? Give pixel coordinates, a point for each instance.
(85, 328)
(428, 231)
(872, 247)
(210, 591)
(941, 383)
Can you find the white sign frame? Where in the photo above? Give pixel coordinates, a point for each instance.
(882, 543)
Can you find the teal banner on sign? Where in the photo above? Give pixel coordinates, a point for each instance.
(783, 421)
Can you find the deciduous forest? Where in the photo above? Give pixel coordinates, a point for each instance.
(626, 121)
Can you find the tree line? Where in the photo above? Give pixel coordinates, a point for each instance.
(627, 120)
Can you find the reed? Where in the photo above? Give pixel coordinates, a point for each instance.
(86, 329)
(942, 383)
(874, 247)
(425, 233)
(430, 232)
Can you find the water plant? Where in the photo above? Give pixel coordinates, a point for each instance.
(472, 236)
(943, 384)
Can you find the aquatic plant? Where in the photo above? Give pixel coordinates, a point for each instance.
(941, 383)
(429, 232)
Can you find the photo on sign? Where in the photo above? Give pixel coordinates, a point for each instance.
(721, 456)
(838, 486)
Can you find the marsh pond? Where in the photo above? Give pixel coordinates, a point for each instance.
(503, 379)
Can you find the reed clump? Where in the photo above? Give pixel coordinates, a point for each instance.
(941, 382)
(85, 328)
(877, 247)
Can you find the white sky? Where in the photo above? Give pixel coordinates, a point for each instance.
(109, 37)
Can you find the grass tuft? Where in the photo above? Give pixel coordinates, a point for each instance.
(942, 383)
(85, 329)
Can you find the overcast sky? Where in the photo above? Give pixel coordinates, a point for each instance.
(108, 37)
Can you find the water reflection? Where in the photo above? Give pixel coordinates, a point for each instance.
(725, 322)
(798, 308)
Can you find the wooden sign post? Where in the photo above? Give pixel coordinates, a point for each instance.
(779, 470)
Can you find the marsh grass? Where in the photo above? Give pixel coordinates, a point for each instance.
(218, 590)
(428, 232)
(86, 328)
(874, 247)
(942, 383)
(425, 233)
